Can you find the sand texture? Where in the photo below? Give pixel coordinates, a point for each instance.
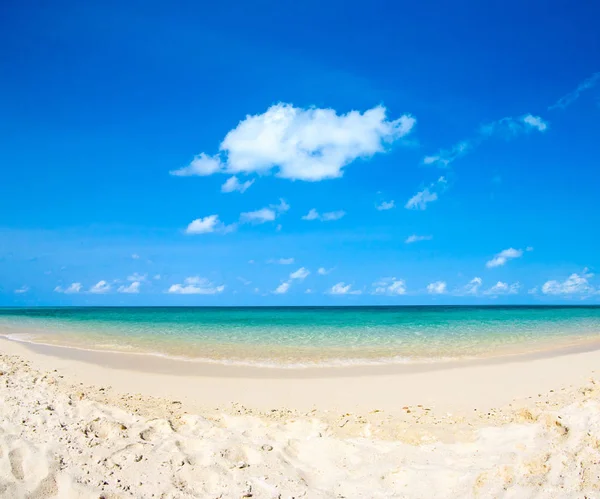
(60, 438)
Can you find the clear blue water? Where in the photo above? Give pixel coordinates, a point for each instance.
(307, 335)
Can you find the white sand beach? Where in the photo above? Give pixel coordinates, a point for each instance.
(102, 425)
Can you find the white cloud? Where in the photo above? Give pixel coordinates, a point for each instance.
(259, 216)
(503, 257)
(436, 288)
(301, 273)
(133, 288)
(420, 199)
(196, 286)
(385, 205)
(389, 286)
(282, 261)
(245, 282)
(574, 284)
(233, 184)
(72, 289)
(508, 127)
(137, 277)
(301, 144)
(325, 217)
(156, 277)
(342, 288)
(135, 256)
(309, 291)
(472, 288)
(202, 165)
(502, 288)
(311, 215)
(324, 271)
(282, 288)
(535, 122)
(208, 224)
(265, 214)
(564, 101)
(445, 157)
(415, 238)
(22, 290)
(100, 287)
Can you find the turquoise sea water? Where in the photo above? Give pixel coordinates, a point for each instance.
(306, 336)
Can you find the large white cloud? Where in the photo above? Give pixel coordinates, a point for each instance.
(196, 286)
(572, 285)
(301, 144)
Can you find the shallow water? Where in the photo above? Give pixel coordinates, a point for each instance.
(307, 336)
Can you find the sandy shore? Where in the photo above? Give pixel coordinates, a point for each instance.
(83, 424)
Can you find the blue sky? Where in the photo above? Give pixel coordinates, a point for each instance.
(279, 153)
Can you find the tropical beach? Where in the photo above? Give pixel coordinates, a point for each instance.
(284, 250)
(89, 423)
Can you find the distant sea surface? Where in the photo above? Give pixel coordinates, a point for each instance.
(307, 336)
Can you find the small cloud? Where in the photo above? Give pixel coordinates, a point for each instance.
(208, 224)
(196, 286)
(100, 287)
(436, 288)
(281, 261)
(571, 97)
(137, 277)
(535, 122)
(325, 217)
(233, 184)
(133, 288)
(385, 205)
(259, 216)
(309, 291)
(251, 262)
(472, 288)
(279, 227)
(502, 288)
(72, 289)
(575, 284)
(342, 288)
(282, 288)
(389, 286)
(529, 248)
(22, 290)
(324, 271)
(156, 277)
(135, 256)
(202, 165)
(420, 200)
(503, 257)
(415, 239)
(265, 214)
(301, 273)
(245, 282)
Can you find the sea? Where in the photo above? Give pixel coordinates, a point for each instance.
(297, 337)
